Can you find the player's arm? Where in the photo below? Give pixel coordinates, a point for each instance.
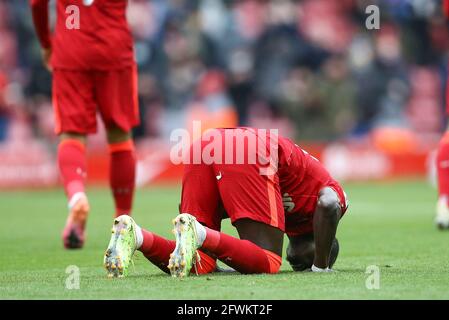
(39, 10)
(325, 222)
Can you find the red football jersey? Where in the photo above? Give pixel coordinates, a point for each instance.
(287, 200)
(301, 177)
(86, 37)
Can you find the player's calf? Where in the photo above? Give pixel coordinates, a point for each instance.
(122, 168)
(122, 174)
(72, 167)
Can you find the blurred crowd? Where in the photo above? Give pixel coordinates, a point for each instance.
(309, 67)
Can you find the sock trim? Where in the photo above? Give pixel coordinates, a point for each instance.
(127, 145)
(122, 212)
(445, 138)
(212, 239)
(148, 237)
(139, 237)
(274, 261)
(74, 199)
(72, 142)
(72, 188)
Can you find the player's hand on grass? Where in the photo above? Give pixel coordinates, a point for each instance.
(46, 57)
(316, 269)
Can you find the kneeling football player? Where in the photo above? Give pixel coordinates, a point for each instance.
(255, 206)
(314, 204)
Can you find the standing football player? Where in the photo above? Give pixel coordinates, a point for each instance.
(442, 163)
(91, 57)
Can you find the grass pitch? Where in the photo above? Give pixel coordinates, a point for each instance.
(388, 225)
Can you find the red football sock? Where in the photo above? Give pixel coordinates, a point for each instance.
(242, 255)
(157, 250)
(443, 166)
(72, 166)
(122, 175)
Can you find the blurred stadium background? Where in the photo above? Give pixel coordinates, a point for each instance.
(369, 103)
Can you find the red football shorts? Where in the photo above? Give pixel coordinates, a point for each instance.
(239, 190)
(77, 95)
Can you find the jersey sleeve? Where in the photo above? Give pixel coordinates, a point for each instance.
(287, 148)
(39, 10)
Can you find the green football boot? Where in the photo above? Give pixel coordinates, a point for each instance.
(121, 248)
(185, 256)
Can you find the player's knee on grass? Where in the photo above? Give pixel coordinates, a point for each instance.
(329, 204)
(301, 252)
